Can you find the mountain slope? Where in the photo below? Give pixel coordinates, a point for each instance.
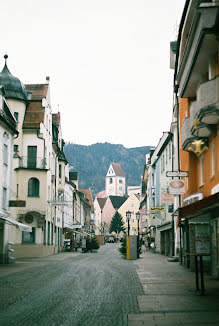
(92, 163)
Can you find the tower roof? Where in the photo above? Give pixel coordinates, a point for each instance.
(13, 86)
(118, 169)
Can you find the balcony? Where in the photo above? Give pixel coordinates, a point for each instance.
(195, 59)
(186, 135)
(204, 112)
(37, 163)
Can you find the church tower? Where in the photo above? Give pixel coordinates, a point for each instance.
(115, 181)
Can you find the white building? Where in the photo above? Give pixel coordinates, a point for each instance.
(115, 181)
(8, 130)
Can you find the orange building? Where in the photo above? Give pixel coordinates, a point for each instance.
(197, 83)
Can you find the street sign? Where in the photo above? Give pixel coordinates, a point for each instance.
(158, 209)
(177, 173)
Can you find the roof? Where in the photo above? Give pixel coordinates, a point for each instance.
(39, 91)
(117, 201)
(34, 115)
(101, 194)
(118, 169)
(88, 194)
(101, 202)
(13, 86)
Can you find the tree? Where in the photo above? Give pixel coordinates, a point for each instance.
(117, 223)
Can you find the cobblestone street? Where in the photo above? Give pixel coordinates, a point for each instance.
(70, 289)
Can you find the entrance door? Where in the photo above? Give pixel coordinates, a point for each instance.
(31, 156)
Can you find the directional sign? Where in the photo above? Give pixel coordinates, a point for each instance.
(177, 174)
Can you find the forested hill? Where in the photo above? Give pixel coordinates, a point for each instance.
(92, 163)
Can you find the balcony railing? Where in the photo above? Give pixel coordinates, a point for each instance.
(32, 163)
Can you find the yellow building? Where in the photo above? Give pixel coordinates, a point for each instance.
(131, 204)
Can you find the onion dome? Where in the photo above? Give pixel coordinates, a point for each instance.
(12, 85)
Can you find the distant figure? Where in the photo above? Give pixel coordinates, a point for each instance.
(153, 246)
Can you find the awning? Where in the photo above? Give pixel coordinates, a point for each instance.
(165, 226)
(20, 226)
(202, 206)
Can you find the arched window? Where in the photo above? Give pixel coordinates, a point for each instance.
(33, 187)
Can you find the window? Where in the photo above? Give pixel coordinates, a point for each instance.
(212, 161)
(132, 220)
(169, 150)
(120, 181)
(5, 149)
(16, 116)
(28, 237)
(60, 170)
(15, 148)
(4, 198)
(31, 156)
(111, 180)
(33, 187)
(166, 155)
(132, 205)
(201, 164)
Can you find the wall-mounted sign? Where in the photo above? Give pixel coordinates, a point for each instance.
(177, 173)
(177, 187)
(17, 203)
(158, 209)
(192, 198)
(167, 198)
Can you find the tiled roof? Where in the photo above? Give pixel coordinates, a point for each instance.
(39, 91)
(88, 194)
(34, 115)
(118, 169)
(117, 201)
(101, 202)
(101, 194)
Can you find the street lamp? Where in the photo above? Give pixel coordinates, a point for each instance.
(128, 216)
(138, 215)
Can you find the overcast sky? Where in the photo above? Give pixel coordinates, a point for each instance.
(108, 62)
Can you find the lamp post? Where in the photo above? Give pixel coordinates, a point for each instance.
(138, 215)
(128, 216)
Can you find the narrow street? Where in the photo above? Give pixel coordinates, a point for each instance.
(96, 289)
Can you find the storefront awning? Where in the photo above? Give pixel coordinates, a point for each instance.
(207, 205)
(201, 206)
(20, 226)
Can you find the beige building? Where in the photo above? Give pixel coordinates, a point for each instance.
(131, 204)
(38, 164)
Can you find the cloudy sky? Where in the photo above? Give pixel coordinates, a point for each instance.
(108, 62)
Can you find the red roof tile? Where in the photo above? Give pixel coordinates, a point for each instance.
(34, 115)
(38, 91)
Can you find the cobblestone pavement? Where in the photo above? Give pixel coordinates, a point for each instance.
(70, 289)
(169, 296)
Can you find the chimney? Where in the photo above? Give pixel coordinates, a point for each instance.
(47, 79)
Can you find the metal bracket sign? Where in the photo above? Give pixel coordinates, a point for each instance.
(177, 173)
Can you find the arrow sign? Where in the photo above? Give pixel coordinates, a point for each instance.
(177, 174)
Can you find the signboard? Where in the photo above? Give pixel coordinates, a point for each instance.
(177, 187)
(167, 198)
(177, 173)
(192, 198)
(17, 203)
(158, 209)
(202, 240)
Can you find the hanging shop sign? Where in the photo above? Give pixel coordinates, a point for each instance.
(177, 173)
(177, 187)
(167, 198)
(158, 208)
